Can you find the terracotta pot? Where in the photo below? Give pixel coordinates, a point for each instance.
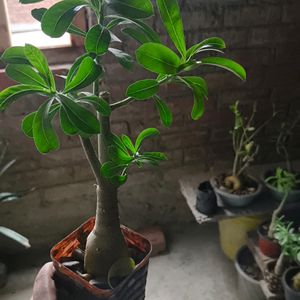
(73, 286)
(267, 246)
(289, 292)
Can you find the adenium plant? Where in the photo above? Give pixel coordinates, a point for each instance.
(87, 115)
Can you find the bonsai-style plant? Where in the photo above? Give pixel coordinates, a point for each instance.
(245, 150)
(87, 115)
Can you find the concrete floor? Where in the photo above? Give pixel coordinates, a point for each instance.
(194, 268)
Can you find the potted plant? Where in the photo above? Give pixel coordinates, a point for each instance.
(286, 182)
(10, 240)
(110, 250)
(282, 148)
(249, 275)
(289, 240)
(237, 188)
(291, 283)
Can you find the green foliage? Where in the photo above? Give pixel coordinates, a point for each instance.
(158, 58)
(132, 8)
(97, 40)
(170, 14)
(143, 89)
(76, 109)
(58, 18)
(283, 181)
(288, 238)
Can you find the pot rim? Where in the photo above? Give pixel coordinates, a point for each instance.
(237, 197)
(240, 270)
(286, 284)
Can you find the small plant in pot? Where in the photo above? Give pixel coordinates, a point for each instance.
(105, 253)
(286, 182)
(289, 240)
(282, 147)
(237, 188)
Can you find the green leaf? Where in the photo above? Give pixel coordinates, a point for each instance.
(157, 58)
(15, 236)
(152, 158)
(213, 43)
(80, 117)
(128, 143)
(196, 82)
(66, 125)
(29, 1)
(38, 14)
(98, 103)
(136, 9)
(27, 122)
(44, 136)
(14, 55)
(226, 64)
(124, 59)
(150, 33)
(143, 89)
(25, 74)
(12, 93)
(136, 34)
(75, 67)
(87, 73)
(118, 155)
(198, 107)
(121, 268)
(116, 141)
(38, 61)
(199, 88)
(170, 14)
(111, 169)
(165, 113)
(97, 40)
(147, 133)
(58, 18)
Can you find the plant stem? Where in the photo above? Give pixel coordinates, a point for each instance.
(91, 157)
(276, 214)
(280, 264)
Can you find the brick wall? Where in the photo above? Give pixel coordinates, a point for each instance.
(262, 35)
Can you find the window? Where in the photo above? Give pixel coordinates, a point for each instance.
(25, 29)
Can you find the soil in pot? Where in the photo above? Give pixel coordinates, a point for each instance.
(73, 283)
(206, 199)
(273, 281)
(249, 276)
(289, 292)
(235, 194)
(248, 186)
(269, 247)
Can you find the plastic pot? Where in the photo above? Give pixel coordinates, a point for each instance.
(294, 195)
(237, 200)
(248, 287)
(206, 199)
(233, 233)
(73, 286)
(266, 245)
(289, 292)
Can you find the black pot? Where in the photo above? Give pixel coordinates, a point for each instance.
(206, 199)
(289, 292)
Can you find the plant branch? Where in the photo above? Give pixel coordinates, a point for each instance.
(91, 157)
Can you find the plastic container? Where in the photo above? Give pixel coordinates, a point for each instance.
(131, 288)
(233, 233)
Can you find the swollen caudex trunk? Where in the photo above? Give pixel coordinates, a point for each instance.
(105, 244)
(232, 183)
